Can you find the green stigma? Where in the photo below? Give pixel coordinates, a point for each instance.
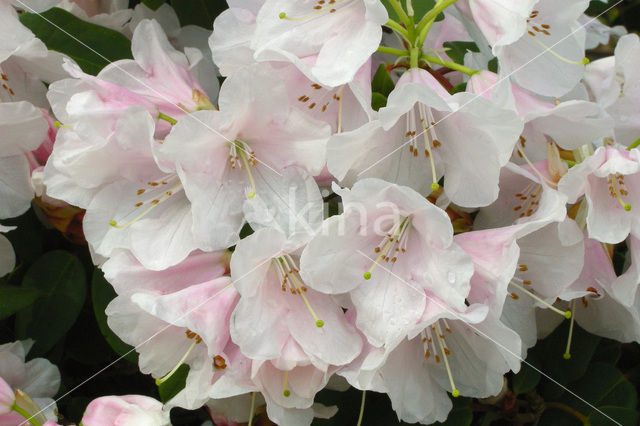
(455, 393)
(566, 355)
(286, 393)
(435, 186)
(319, 323)
(367, 275)
(113, 223)
(567, 314)
(282, 15)
(627, 207)
(585, 61)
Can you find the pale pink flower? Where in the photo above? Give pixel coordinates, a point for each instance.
(609, 181)
(125, 410)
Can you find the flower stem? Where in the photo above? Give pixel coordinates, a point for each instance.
(364, 394)
(400, 12)
(26, 415)
(429, 17)
(398, 28)
(449, 64)
(392, 51)
(635, 144)
(583, 419)
(165, 117)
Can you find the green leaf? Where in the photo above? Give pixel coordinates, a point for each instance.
(420, 8)
(382, 82)
(624, 416)
(174, 384)
(101, 294)
(91, 46)
(153, 4)
(59, 277)
(457, 49)
(602, 384)
(527, 379)
(460, 414)
(378, 100)
(13, 298)
(608, 351)
(459, 88)
(198, 12)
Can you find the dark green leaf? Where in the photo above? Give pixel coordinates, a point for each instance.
(153, 4)
(378, 101)
(493, 65)
(624, 416)
(557, 417)
(602, 384)
(13, 298)
(420, 8)
(91, 46)
(101, 294)
(382, 82)
(608, 351)
(460, 414)
(457, 49)
(527, 379)
(198, 12)
(59, 277)
(174, 384)
(459, 88)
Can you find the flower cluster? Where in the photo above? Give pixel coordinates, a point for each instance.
(296, 224)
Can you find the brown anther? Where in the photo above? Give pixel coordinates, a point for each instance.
(152, 183)
(426, 153)
(4, 86)
(11, 91)
(154, 202)
(164, 183)
(377, 249)
(312, 105)
(523, 268)
(437, 359)
(545, 26)
(545, 32)
(332, 11)
(436, 143)
(168, 193)
(4, 77)
(138, 204)
(427, 354)
(448, 330)
(515, 209)
(316, 86)
(219, 363)
(584, 302)
(324, 107)
(317, 7)
(526, 282)
(140, 192)
(301, 98)
(514, 296)
(447, 351)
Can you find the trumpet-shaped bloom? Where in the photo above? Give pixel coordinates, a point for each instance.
(608, 180)
(125, 410)
(388, 247)
(340, 36)
(424, 133)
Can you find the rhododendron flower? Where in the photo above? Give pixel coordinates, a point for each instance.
(425, 133)
(340, 35)
(125, 410)
(388, 236)
(608, 181)
(237, 151)
(276, 305)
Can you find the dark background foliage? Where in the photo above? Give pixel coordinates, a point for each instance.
(57, 297)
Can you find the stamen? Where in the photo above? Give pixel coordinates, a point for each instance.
(364, 394)
(252, 408)
(184, 357)
(425, 130)
(566, 314)
(567, 351)
(444, 351)
(340, 110)
(395, 237)
(286, 269)
(59, 125)
(236, 148)
(153, 203)
(318, 11)
(583, 61)
(166, 118)
(285, 391)
(615, 192)
(534, 168)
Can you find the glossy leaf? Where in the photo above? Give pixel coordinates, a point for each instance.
(91, 46)
(174, 384)
(13, 299)
(59, 277)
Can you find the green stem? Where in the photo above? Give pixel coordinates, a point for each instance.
(400, 12)
(165, 117)
(398, 28)
(392, 51)
(26, 415)
(429, 17)
(634, 144)
(449, 64)
(414, 59)
(567, 409)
